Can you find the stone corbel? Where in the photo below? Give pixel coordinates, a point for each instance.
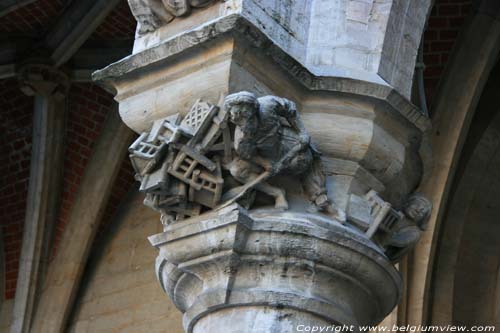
(219, 260)
(44, 80)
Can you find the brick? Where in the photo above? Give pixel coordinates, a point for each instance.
(465, 9)
(449, 10)
(455, 22)
(437, 22)
(441, 46)
(430, 35)
(448, 34)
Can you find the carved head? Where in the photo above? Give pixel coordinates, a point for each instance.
(242, 107)
(418, 208)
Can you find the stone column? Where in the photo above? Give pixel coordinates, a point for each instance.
(340, 74)
(49, 87)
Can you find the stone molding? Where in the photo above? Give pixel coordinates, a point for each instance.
(239, 27)
(231, 258)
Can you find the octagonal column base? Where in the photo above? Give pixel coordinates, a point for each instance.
(234, 270)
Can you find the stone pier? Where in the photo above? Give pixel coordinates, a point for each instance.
(278, 142)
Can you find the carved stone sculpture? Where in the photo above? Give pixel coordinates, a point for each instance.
(405, 234)
(179, 161)
(213, 157)
(394, 231)
(216, 156)
(270, 139)
(228, 259)
(151, 14)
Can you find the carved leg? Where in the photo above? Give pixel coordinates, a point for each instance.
(245, 172)
(277, 193)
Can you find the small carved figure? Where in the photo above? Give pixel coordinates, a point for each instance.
(372, 214)
(270, 139)
(151, 14)
(394, 231)
(407, 232)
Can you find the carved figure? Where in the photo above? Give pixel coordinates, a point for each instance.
(372, 214)
(270, 139)
(185, 163)
(151, 14)
(406, 233)
(394, 231)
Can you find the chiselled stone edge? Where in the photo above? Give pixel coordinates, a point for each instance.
(261, 221)
(323, 227)
(238, 26)
(209, 302)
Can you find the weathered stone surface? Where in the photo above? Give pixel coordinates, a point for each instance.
(369, 40)
(152, 14)
(247, 32)
(272, 262)
(338, 62)
(119, 292)
(359, 122)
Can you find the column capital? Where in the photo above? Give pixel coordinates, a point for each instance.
(299, 112)
(41, 79)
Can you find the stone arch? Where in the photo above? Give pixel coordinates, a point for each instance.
(473, 59)
(468, 245)
(3, 271)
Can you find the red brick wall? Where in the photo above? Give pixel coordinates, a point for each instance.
(120, 24)
(445, 22)
(89, 106)
(16, 127)
(33, 19)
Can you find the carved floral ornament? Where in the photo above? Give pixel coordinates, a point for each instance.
(244, 151)
(152, 14)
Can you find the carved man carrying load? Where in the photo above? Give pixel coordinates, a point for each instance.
(185, 163)
(270, 139)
